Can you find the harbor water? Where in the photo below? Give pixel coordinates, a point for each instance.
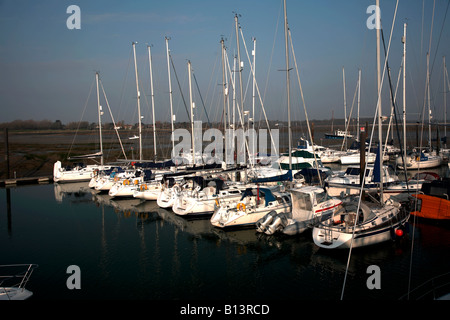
(132, 250)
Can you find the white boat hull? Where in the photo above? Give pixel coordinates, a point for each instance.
(14, 293)
(341, 236)
(431, 162)
(242, 218)
(355, 158)
(75, 175)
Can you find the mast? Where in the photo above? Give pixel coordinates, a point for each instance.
(345, 102)
(240, 66)
(225, 91)
(445, 102)
(359, 96)
(170, 90)
(404, 90)
(378, 22)
(234, 94)
(287, 84)
(252, 158)
(99, 119)
(138, 101)
(224, 86)
(153, 99)
(192, 111)
(254, 80)
(429, 104)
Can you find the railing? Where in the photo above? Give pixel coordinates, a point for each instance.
(23, 276)
(432, 289)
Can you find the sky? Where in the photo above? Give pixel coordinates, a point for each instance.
(47, 71)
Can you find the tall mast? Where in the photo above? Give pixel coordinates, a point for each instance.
(378, 24)
(380, 139)
(192, 111)
(99, 119)
(445, 102)
(224, 87)
(359, 96)
(404, 90)
(287, 84)
(170, 90)
(138, 101)
(254, 80)
(241, 114)
(240, 69)
(233, 81)
(345, 102)
(224, 92)
(429, 104)
(153, 99)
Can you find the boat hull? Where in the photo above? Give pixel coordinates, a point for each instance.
(246, 219)
(432, 207)
(344, 236)
(431, 162)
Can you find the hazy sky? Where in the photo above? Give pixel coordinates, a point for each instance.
(47, 70)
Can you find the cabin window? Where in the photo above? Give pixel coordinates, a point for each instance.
(352, 171)
(322, 197)
(304, 202)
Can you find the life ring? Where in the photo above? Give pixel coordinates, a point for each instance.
(240, 206)
(143, 187)
(126, 182)
(136, 182)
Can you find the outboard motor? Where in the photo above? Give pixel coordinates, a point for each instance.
(262, 223)
(279, 222)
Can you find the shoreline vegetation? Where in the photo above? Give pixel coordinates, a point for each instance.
(34, 146)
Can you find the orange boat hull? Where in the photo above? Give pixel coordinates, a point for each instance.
(433, 207)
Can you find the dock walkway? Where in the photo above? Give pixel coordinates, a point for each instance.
(25, 180)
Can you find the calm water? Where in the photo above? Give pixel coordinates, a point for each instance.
(131, 250)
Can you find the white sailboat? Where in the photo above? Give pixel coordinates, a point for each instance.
(419, 159)
(368, 221)
(348, 182)
(361, 223)
(422, 158)
(203, 196)
(80, 171)
(254, 204)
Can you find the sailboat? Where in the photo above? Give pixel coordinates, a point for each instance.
(361, 223)
(254, 204)
(422, 158)
(80, 171)
(364, 220)
(202, 196)
(419, 158)
(349, 182)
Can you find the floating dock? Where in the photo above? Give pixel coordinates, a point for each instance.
(26, 180)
